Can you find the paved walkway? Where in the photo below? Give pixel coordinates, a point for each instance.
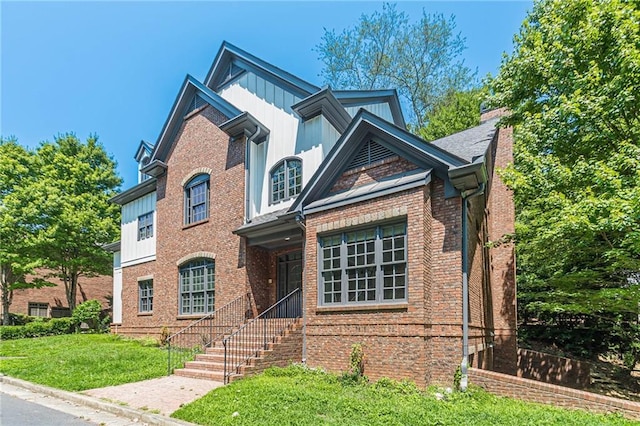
(149, 402)
(163, 395)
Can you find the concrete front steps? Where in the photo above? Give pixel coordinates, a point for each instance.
(281, 352)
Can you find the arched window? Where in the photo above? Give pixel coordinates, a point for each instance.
(196, 199)
(286, 179)
(197, 287)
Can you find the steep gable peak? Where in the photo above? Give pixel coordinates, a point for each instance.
(231, 61)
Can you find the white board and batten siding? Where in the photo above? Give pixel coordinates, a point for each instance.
(132, 250)
(380, 109)
(288, 137)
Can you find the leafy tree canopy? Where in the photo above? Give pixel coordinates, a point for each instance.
(573, 86)
(456, 112)
(385, 50)
(16, 232)
(54, 211)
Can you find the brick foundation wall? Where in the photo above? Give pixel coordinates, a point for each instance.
(545, 393)
(287, 350)
(553, 369)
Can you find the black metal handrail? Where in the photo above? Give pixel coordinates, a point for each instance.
(204, 332)
(256, 335)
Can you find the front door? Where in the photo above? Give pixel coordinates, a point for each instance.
(289, 273)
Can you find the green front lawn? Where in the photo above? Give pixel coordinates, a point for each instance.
(77, 362)
(298, 396)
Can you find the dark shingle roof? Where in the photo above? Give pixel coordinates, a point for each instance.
(471, 143)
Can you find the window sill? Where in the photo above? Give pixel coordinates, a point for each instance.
(373, 307)
(191, 316)
(191, 225)
(145, 314)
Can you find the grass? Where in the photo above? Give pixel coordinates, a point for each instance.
(77, 362)
(299, 396)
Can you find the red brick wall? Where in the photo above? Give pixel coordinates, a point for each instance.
(553, 369)
(199, 144)
(372, 173)
(500, 222)
(393, 340)
(545, 393)
(99, 288)
(286, 350)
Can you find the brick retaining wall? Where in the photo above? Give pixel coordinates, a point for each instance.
(545, 393)
(553, 369)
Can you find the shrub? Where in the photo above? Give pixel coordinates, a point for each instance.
(89, 313)
(53, 327)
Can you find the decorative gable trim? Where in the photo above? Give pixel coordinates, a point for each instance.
(325, 103)
(355, 98)
(231, 58)
(367, 126)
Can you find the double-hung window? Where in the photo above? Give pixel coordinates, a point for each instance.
(286, 180)
(197, 287)
(145, 296)
(145, 226)
(196, 199)
(364, 266)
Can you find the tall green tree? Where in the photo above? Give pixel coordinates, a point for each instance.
(75, 218)
(385, 50)
(17, 173)
(573, 88)
(456, 112)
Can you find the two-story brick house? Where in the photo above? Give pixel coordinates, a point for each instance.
(263, 183)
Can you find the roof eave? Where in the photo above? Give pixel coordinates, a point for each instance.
(135, 192)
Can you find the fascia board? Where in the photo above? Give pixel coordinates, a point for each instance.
(325, 103)
(244, 124)
(229, 53)
(134, 192)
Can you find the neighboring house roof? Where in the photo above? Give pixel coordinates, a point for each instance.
(231, 61)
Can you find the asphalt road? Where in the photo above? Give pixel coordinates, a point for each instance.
(18, 412)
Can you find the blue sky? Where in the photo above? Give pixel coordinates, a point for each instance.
(114, 68)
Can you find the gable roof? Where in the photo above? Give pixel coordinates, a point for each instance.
(366, 125)
(189, 88)
(219, 74)
(324, 102)
(352, 98)
(144, 147)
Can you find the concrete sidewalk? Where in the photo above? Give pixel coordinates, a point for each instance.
(148, 402)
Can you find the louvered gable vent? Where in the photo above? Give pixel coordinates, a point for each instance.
(370, 153)
(196, 103)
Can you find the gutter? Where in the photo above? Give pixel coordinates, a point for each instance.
(464, 365)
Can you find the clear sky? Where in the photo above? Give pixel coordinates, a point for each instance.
(115, 68)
